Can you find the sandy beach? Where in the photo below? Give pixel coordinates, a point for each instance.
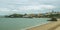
(54, 25)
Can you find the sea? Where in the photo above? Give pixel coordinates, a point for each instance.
(21, 23)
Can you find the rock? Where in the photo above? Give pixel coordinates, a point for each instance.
(53, 19)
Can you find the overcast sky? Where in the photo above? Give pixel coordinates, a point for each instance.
(28, 6)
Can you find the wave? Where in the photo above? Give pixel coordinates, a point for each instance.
(33, 26)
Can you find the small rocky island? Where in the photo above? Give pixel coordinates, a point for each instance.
(53, 19)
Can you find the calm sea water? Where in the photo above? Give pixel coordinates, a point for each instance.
(20, 23)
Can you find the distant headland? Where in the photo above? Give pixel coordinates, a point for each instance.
(40, 15)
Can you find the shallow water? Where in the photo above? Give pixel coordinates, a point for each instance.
(20, 23)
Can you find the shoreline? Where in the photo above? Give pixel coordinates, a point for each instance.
(36, 25)
(48, 26)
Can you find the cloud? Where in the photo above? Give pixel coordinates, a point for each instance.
(4, 9)
(37, 7)
(28, 6)
(27, 9)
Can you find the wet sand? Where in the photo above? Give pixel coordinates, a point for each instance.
(54, 25)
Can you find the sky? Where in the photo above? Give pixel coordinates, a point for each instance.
(28, 6)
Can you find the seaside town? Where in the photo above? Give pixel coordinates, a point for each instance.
(39, 15)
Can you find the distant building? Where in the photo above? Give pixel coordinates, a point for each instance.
(39, 15)
(32, 15)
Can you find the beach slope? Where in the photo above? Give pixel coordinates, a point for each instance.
(49, 26)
